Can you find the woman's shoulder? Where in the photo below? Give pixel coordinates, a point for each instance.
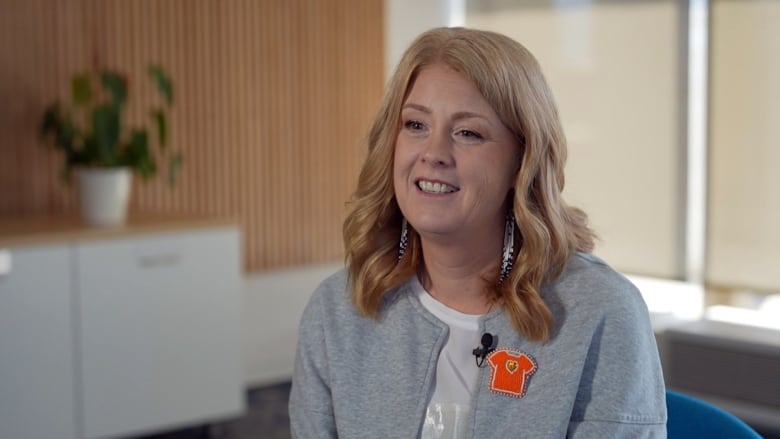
(589, 281)
(329, 307)
(332, 299)
(587, 267)
(334, 283)
(332, 292)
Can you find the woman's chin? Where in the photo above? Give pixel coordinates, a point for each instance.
(437, 231)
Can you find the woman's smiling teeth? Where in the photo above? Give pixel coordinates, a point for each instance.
(435, 187)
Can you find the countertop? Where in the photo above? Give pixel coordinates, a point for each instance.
(32, 230)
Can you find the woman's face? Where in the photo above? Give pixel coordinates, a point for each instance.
(455, 161)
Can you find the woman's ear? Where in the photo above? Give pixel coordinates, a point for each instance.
(520, 154)
(518, 168)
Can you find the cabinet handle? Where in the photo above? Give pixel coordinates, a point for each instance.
(5, 262)
(161, 260)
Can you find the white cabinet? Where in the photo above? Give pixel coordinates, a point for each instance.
(122, 334)
(37, 376)
(159, 318)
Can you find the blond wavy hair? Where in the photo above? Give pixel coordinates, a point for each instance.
(550, 231)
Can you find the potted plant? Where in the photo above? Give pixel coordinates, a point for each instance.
(102, 148)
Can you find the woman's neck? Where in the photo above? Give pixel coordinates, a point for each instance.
(454, 274)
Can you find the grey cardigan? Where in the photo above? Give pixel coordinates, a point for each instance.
(598, 376)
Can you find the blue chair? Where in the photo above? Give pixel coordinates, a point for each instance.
(689, 417)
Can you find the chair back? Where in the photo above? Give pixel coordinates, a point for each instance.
(689, 417)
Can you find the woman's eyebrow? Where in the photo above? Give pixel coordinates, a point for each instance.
(469, 115)
(457, 116)
(417, 107)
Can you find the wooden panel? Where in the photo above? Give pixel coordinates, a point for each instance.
(272, 101)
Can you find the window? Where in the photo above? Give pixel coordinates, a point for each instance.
(620, 71)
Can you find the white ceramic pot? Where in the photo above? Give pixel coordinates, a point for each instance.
(105, 193)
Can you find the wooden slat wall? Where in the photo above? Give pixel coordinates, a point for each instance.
(272, 101)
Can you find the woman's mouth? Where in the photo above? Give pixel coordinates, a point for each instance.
(435, 187)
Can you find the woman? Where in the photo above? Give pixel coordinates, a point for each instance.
(458, 238)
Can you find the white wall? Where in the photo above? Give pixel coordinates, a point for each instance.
(273, 305)
(406, 19)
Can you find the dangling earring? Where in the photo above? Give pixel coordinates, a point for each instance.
(507, 258)
(404, 239)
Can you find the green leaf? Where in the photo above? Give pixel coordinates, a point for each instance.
(81, 90)
(162, 126)
(60, 127)
(174, 166)
(105, 126)
(66, 136)
(88, 154)
(115, 85)
(163, 82)
(77, 158)
(51, 120)
(138, 154)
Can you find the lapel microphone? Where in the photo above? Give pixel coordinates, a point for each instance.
(487, 347)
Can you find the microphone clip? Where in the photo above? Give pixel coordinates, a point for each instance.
(488, 346)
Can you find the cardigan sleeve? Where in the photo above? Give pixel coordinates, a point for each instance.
(311, 407)
(621, 392)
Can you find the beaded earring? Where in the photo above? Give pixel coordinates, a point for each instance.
(404, 239)
(507, 258)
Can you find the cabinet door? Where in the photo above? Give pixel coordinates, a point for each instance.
(160, 331)
(36, 342)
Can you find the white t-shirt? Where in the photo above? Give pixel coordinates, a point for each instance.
(456, 371)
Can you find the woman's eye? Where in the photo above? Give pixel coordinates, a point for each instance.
(414, 125)
(469, 134)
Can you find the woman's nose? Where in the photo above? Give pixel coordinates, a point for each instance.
(438, 151)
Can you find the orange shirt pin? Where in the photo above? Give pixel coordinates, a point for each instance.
(511, 371)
